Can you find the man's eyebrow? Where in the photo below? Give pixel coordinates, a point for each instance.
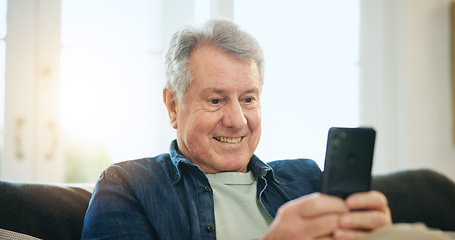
(252, 90)
(215, 90)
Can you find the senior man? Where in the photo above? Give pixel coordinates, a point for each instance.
(211, 185)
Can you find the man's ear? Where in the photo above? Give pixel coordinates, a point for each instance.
(170, 100)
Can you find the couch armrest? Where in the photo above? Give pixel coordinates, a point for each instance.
(43, 210)
(419, 196)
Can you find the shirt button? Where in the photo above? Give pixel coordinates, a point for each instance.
(210, 228)
(207, 188)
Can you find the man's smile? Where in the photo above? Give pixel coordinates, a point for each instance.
(228, 139)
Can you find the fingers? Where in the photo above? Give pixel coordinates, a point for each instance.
(314, 216)
(367, 200)
(319, 216)
(284, 227)
(366, 220)
(374, 211)
(323, 226)
(316, 204)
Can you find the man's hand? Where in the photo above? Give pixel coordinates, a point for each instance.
(315, 216)
(374, 213)
(319, 216)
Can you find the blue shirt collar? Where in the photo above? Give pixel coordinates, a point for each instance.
(258, 167)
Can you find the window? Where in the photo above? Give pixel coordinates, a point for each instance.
(311, 72)
(111, 81)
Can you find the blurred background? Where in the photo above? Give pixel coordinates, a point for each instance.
(81, 80)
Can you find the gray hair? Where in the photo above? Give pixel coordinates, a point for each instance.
(219, 33)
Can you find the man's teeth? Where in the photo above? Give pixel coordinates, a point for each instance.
(228, 140)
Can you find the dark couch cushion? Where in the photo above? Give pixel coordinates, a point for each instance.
(50, 211)
(43, 210)
(419, 196)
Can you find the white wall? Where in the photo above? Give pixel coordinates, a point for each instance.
(406, 83)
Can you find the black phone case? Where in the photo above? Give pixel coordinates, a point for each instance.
(348, 161)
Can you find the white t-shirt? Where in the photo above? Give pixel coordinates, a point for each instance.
(238, 212)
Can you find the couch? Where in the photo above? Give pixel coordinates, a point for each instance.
(56, 211)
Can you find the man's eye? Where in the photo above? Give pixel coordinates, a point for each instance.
(214, 101)
(248, 100)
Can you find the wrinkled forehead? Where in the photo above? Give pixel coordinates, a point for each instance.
(214, 69)
(213, 62)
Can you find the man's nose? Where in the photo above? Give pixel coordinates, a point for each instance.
(234, 116)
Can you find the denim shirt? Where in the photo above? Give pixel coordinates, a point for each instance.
(168, 197)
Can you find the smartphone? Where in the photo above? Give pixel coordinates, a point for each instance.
(348, 161)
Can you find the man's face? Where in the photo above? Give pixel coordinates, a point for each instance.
(219, 121)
